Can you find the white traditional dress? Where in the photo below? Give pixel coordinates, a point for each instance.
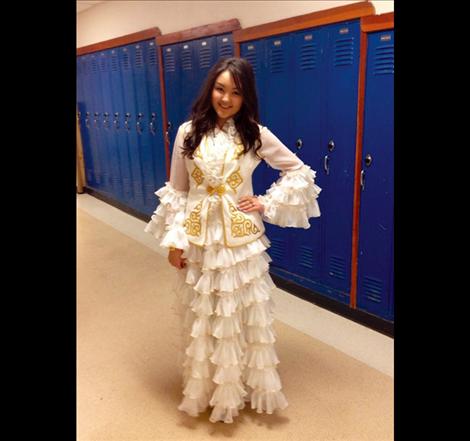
(223, 293)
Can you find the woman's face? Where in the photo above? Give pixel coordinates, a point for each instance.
(226, 98)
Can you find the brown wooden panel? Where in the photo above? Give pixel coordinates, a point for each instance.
(357, 169)
(378, 22)
(333, 15)
(221, 27)
(147, 34)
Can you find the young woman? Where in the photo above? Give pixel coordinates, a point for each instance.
(213, 226)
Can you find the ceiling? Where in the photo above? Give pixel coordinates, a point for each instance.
(82, 5)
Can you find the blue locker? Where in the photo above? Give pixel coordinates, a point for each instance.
(187, 73)
(108, 133)
(339, 145)
(376, 228)
(308, 94)
(255, 53)
(155, 131)
(172, 78)
(121, 139)
(146, 147)
(130, 129)
(205, 56)
(279, 115)
(98, 110)
(224, 46)
(90, 64)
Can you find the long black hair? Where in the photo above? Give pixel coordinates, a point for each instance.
(204, 117)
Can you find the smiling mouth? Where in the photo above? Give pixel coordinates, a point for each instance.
(225, 108)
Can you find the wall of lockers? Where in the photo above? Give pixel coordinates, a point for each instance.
(315, 73)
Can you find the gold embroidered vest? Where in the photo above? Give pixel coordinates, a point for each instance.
(233, 182)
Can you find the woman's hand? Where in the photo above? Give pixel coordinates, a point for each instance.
(250, 203)
(175, 259)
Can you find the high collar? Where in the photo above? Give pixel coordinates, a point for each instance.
(228, 127)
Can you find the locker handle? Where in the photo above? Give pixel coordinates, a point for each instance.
(363, 180)
(126, 121)
(95, 121)
(299, 143)
(116, 120)
(138, 126)
(105, 120)
(326, 164)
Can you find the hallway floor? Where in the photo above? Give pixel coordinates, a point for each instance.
(127, 385)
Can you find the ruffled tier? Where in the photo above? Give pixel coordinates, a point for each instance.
(228, 354)
(292, 199)
(167, 220)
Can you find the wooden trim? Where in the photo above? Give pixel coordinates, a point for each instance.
(221, 27)
(236, 50)
(166, 141)
(146, 34)
(357, 169)
(378, 22)
(81, 178)
(333, 15)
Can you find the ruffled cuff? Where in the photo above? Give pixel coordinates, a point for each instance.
(292, 199)
(168, 219)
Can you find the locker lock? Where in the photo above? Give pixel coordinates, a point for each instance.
(116, 120)
(152, 123)
(126, 121)
(331, 145)
(368, 160)
(298, 143)
(139, 128)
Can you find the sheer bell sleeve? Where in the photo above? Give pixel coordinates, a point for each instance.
(167, 220)
(292, 199)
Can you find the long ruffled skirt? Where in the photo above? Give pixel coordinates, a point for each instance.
(228, 356)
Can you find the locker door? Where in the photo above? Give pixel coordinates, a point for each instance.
(375, 259)
(205, 56)
(224, 46)
(308, 87)
(172, 76)
(139, 59)
(130, 130)
(98, 124)
(108, 134)
(122, 147)
(338, 149)
(95, 136)
(188, 78)
(278, 111)
(84, 120)
(255, 53)
(155, 132)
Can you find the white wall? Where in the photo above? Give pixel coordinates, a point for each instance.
(111, 19)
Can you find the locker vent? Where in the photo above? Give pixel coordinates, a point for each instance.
(251, 57)
(277, 60)
(169, 61)
(308, 56)
(114, 62)
(186, 59)
(384, 61)
(306, 257)
(225, 50)
(276, 249)
(103, 64)
(125, 60)
(205, 58)
(337, 268)
(94, 65)
(373, 289)
(344, 51)
(139, 58)
(152, 55)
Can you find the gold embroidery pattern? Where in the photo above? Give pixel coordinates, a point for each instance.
(192, 224)
(197, 175)
(240, 225)
(235, 179)
(239, 150)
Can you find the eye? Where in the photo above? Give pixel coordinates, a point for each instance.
(236, 92)
(219, 89)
